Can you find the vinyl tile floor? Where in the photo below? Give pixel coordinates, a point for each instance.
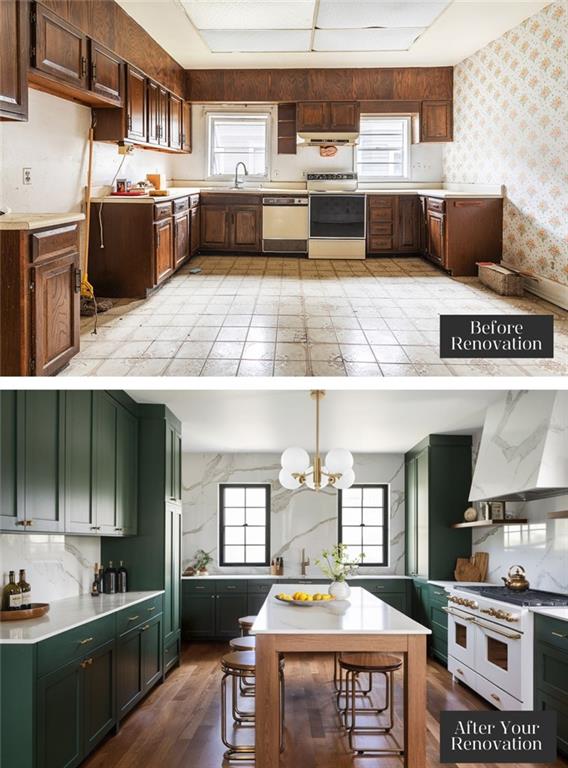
(256, 316)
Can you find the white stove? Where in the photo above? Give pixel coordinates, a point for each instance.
(336, 215)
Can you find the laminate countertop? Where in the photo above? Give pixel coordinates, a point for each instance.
(11, 221)
(69, 613)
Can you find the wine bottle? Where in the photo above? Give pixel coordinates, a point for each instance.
(110, 579)
(11, 594)
(26, 590)
(101, 579)
(95, 587)
(122, 578)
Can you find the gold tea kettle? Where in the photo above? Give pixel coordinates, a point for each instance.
(516, 579)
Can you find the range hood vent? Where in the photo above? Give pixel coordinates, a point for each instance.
(523, 453)
(327, 139)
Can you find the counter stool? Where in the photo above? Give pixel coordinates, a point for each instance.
(245, 623)
(238, 665)
(353, 664)
(246, 643)
(339, 684)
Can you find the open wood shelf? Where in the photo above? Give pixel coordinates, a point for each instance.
(489, 523)
(558, 515)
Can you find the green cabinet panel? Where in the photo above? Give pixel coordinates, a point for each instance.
(411, 541)
(130, 688)
(10, 515)
(551, 671)
(126, 473)
(254, 603)
(395, 599)
(260, 586)
(79, 513)
(74, 644)
(229, 609)
(152, 652)
(198, 614)
(173, 463)
(99, 714)
(545, 701)
(18, 706)
(60, 717)
(421, 602)
(173, 535)
(105, 425)
(172, 652)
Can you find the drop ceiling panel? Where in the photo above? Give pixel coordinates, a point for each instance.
(251, 14)
(365, 39)
(254, 40)
(358, 14)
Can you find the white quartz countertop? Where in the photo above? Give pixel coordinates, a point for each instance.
(217, 576)
(37, 220)
(362, 614)
(457, 584)
(554, 613)
(67, 614)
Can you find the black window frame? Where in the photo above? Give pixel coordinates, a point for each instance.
(386, 516)
(222, 486)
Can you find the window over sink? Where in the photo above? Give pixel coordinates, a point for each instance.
(244, 524)
(235, 137)
(383, 151)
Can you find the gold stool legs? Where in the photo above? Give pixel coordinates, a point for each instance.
(350, 717)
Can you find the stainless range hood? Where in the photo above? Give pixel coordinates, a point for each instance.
(327, 139)
(523, 453)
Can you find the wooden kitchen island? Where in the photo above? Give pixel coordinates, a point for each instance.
(365, 624)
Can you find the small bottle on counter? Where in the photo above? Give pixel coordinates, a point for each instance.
(96, 585)
(110, 579)
(26, 590)
(101, 579)
(122, 578)
(11, 594)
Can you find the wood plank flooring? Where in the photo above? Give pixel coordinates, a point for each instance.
(178, 724)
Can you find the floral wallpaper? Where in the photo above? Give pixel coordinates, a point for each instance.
(510, 117)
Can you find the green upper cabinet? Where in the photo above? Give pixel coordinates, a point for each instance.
(105, 455)
(11, 517)
(126, 473)
(79, 511)
(173, 462)
(438, 480)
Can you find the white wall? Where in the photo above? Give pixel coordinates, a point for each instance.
(426, 159)
(53, 143)
(299, 519)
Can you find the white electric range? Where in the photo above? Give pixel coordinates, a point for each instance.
(336, 216)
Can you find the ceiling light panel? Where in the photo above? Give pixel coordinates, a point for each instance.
(257, 41)
(358, 14)
(250, 14)
(365, 39)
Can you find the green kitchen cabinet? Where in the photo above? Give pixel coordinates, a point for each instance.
(438, 481)
(198, 613)
(79, 511)
(129, 671)
(172, 584)
(438, 622)
(173, 462)
(126, 517)
(551, 672)
(99, 705)
(105, 425)
(212, 608)
(11, 516)
(421, 601)
(395, 592)
(152, 652)
(230, 606)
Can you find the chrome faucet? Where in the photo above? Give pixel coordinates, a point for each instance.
(238, 184)
(305, 562)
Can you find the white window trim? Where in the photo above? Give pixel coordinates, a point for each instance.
(408, 145)
(244, 112)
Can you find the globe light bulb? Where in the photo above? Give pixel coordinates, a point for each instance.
(338, 460)
(346, 480)
(287, 481)
(295, 460)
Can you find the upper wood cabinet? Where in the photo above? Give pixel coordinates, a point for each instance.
(14, 53)
(136, 105)
(106, 72)
(58, 48)
(158, 115)
(176, 122)
(328, 115)
(186, 126)
(436, 121)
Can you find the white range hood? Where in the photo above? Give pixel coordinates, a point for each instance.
(327, 139)
(523, 453)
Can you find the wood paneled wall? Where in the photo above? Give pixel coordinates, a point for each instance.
(108, 24)
(396, 84)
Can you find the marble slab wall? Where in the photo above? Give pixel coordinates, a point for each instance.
(56, 566)
(299, 519)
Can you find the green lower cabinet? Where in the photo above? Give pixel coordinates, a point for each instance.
(198, 614)
(99, 707)
(420, 601)
(152, 659)
(228, 610)
(544, 701)
(396, 600)
(254, 604)
(139, 663)
(438, 622)
(551, 671)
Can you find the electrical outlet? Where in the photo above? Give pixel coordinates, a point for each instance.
(27, 175)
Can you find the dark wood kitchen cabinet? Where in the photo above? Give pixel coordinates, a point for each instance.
(106, 73)
(328, 116)
(163, 243)
(182, 232)
(436, 121)
(215, 227)
(195, 230)
(231, 222)
(39, 300)
(14, 57)
(136, 105)
(393, 224)
(176, 121)
(158, 115)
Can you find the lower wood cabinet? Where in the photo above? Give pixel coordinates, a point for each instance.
(163, 250)
(231, 222)
(393, 224)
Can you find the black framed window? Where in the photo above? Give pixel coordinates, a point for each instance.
(244, 524)
(363, 519)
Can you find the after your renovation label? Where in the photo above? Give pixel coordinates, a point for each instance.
(503, 336)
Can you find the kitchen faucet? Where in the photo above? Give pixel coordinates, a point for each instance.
(305, 562)
(238, 184)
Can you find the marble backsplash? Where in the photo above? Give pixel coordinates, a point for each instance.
(299, 519)
(56, 566)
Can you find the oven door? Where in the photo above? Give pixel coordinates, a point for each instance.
(498, 656)
(337, 217)
(461, 637)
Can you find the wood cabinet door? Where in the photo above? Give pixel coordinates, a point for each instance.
(104, 457)
(195, 230)
(126, 473)
(60, 717)
(423, 225)
(407, 231)
(98, 695)
(215, 227)
(136, 95)
(163, 117)
(56, 286)
(175, 122)
(313, 115)
(11, 514)
(58, 48)
(344, 115)
(186, 126)
(436, 237)
(163, 249)
(14, 56)
(107, 73)
(436, 123)
(153, 91)
(79, 441)
(181, 238)
(245, 228)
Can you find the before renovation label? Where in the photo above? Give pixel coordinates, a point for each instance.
(503, 336)
(497, 737)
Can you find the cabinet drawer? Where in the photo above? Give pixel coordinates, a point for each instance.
(260, 586)
(54, 242)
(552, 631)
(181, 204)
(381, 243)
(382, 585)
(234, 585)
(378, 201)
(434, 204)
(438, 595)
(381, 228)
(199, 586)
(137, 614)
(193, 201)
(162, 211)
(379, 215)
(74, 644)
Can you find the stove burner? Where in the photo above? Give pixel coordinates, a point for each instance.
(530, 597)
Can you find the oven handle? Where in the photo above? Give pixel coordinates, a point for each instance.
(462, 616)
(509, 635)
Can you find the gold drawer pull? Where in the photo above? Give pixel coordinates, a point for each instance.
(560, 635)
(86, 640)
(153, 608)
(494, 696)
(145, 627)
(133, 618)
(86, 663)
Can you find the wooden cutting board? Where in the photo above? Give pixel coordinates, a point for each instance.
(466, 570)
(481, 560)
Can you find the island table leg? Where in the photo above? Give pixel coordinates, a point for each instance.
(415, 702)
(267, 703)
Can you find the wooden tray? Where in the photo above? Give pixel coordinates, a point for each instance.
(37, 610)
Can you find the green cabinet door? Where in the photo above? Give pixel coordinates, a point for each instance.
(254, 604)
(198, 614)
(422, 512)
(11, 518)
(99, 695)
(126, 473)
(104, 474)
(173, 533)
(60, 717)
(79, 513)
(40, 460)
(545, 701)
(129, 671)
(173, 463)
(411, 540)
(152, 654)
(395, 599)
(229, 608)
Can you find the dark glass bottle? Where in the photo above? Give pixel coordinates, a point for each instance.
(122, 578)
(11, 594)
(101, 580)
(110, 579)
(26, 590)
(96, 585)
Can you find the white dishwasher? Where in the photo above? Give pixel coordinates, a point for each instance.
(285, 224)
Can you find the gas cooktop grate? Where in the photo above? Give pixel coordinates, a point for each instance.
(531, 597)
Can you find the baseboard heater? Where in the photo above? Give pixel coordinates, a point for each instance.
(281, 245)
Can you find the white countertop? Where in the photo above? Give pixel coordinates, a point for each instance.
(37, 220)
(362, 614)
(554, 613)
(68, 614)
(173, 193)
(216, 576)
(457, 584)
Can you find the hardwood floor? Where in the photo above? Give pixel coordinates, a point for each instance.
(178, 725)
